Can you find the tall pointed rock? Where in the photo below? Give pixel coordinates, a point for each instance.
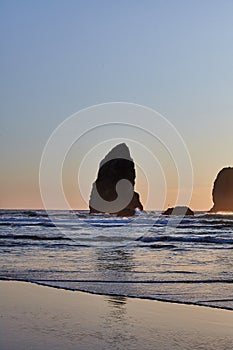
(223, 191)
(113, 191)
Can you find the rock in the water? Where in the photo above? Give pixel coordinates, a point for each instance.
(223, 191)
(162, 246)
(179, 210)
(113, 191)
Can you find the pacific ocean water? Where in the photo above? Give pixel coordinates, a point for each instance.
(184, 260)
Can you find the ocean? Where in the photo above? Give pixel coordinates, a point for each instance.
(184, 260)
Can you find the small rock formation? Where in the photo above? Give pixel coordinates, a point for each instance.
(178, 211)
(113, 191)
(162, 246)
(223, 191)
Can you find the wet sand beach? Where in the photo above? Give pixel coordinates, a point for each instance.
(38, 317)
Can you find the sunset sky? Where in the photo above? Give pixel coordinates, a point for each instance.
(58, 57)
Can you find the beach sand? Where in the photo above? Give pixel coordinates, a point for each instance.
(38, 317)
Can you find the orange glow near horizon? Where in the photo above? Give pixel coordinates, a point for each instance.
(23, 192)
(31, 199)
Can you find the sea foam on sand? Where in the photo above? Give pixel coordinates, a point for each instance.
(36, 317)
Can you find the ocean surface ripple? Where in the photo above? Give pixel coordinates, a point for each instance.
(150, 256)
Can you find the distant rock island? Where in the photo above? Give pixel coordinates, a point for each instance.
(113, 191)
(223, 191)
(179, 210)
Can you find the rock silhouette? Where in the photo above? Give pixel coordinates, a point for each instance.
(113, 191)
(179, 210)
(223, 191)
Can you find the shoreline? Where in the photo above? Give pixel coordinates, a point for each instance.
(34, 316)
(2, 279)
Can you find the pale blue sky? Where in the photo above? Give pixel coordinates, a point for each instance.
(60, 56)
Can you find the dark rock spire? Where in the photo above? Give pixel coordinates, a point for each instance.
(223, 191)
(113, 191)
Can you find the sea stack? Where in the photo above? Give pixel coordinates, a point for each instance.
(113, 191)
(223, 191)
(179, 211)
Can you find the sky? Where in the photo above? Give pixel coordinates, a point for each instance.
(59, 57)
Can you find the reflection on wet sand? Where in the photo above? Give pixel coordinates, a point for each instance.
(114, 262)
(117, 305)
(117, 322)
